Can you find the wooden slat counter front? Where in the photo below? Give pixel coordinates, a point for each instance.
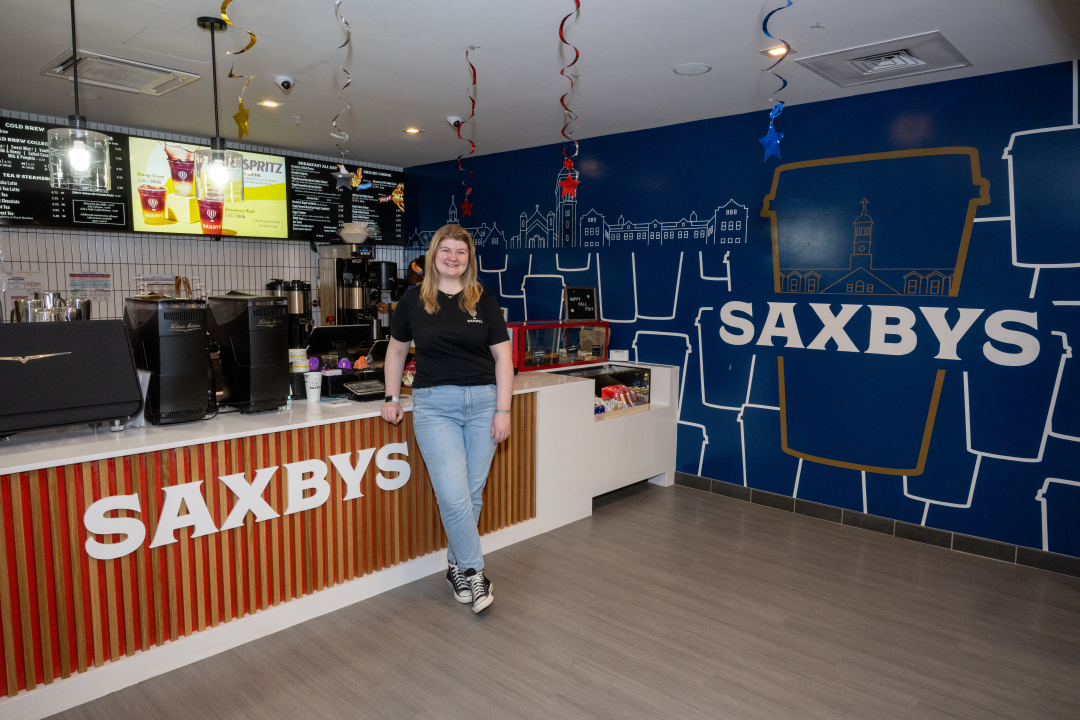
(75, 627)
(63, 612)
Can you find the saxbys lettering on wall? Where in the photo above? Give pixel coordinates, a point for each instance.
(307, 488)
(891, 330)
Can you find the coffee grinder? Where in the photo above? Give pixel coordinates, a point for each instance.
(168, 339)
(252, 331)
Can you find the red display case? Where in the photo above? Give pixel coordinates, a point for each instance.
(549, 344)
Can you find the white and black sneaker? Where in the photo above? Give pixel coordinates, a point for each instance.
(457, 581)
(481, 589)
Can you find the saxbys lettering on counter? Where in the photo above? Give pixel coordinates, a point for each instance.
(307, 488)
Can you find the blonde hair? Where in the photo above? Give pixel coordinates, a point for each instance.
(429, 289)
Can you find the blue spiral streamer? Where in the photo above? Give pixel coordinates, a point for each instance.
(787, 48)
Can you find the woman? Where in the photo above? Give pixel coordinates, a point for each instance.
(461, 394)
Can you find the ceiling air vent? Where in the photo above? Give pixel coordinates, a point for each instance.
(118, 74)
(903, 57)
(886, 62)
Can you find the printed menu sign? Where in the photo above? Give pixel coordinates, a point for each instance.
(163, 194)
(26, 198)
(320, 202)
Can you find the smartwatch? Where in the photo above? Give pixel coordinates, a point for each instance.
(391, 398)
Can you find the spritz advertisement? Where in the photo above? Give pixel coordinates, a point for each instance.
(164, 199)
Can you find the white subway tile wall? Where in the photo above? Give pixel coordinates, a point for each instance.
(229, 264)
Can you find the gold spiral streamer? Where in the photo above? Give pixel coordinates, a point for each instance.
(251, 36)
(241, 116)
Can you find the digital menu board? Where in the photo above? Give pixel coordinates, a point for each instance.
(325, 195)
(163, 194)
(26, 198)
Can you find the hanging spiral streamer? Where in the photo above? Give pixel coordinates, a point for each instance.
(251, 36)
(569, 115)
(771, 140)
(787, 50)
(345, 24)
(241, 116)
(338, 133)
(466, 206)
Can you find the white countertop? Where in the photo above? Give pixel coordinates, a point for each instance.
(63, 446)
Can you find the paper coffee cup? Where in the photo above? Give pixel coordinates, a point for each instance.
(313, 382)
(298, 360)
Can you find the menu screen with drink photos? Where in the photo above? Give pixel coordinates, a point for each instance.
(163, 194)
(26, 197)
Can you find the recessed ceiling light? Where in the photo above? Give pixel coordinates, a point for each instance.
(412, 130)
(777, 51)
(692, 69)
(270, 103)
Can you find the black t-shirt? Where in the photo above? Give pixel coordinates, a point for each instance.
(452, 346)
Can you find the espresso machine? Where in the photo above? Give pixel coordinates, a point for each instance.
(251, 331)
(349, 287)
(168, 339)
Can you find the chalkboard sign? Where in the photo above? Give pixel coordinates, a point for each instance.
(580, 303)
(27, 198)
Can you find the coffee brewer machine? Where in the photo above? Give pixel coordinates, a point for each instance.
(351, 284)
(252, 331)
(168, 338)
(298, 323)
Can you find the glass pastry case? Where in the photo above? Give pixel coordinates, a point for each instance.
(549, 344)
(620, 389)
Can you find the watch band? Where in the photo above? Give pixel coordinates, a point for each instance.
(391, 398)
(502, 412)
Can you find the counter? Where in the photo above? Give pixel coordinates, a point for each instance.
(313, 509)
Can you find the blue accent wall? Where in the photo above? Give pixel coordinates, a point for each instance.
(883, 320)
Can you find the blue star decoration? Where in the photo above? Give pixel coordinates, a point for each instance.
(771, 142)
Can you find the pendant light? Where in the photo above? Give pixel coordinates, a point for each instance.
(78, 156)
(219, 173)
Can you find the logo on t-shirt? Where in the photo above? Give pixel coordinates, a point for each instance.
(474, 318)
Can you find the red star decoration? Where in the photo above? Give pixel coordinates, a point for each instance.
(569, 186)
(466, 208)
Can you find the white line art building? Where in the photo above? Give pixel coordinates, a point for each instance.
(482, 235)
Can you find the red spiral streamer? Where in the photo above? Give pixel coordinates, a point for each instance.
(568, 113)
(466, 206)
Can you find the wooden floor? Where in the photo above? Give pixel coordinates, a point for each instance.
(668, 603)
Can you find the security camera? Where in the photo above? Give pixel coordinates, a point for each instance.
(454, 121)
(284, 82)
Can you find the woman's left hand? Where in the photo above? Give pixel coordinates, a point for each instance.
(500, 427)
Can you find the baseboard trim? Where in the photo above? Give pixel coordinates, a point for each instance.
(957, 542)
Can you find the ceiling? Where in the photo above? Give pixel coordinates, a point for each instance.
(407, 61)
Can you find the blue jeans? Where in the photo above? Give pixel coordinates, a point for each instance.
(453, 429)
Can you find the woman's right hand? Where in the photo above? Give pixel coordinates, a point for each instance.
(392, 412)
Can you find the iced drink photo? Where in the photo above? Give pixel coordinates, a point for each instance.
(182, 168)
(211, 210)
(152, 198)
(183, 174)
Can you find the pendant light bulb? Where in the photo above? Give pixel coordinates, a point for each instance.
(219, 176)
(219, 172)
(79, 157)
